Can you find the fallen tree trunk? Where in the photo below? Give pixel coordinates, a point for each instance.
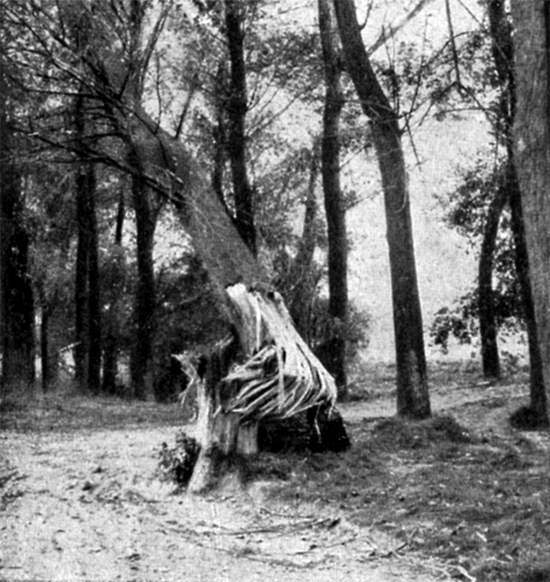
(264, 369)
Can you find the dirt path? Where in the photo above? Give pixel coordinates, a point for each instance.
(80, 501)
(85, 505)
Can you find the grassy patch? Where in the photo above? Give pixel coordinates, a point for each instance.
(67, 413)
(481, 504)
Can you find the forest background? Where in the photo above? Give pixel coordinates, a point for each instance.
(433, 59)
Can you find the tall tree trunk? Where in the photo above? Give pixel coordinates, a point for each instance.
(537, 391)
(487, 322)
(503, 55)
(110, 321)
(17, 304)
(145, 300)
(301, 278)
(94, 301)
(146, 211)
(219, 133)
(45, 350)
(334, 201)
(412, 384)
(81, 350)
(87, 301)
(532, 155)
(237, 108)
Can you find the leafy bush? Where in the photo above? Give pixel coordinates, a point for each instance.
(323, 328)
(176, 464)
(460, 320)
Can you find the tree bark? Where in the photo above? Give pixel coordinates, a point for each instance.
(503, 56)
(412, 384)
(279, 375)
(532, 155)
(87, 291)
(334, 200)
(110, 321)
(146, 211)
(487, 321)
(145, 300)
(537, 390)
(301, 279)
(219, 133)
(237, 108)
(94, 301)
(46, 311)
(17, 304)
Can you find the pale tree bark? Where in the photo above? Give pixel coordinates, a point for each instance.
(412, 383)
(335, 210)
(532, 154)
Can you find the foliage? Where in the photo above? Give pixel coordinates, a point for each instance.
(466, 211)
(176, 464)
(458, 321)
(355, 330)
(188, 316)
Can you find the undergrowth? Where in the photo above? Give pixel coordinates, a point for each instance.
(176, 463)
(479, 503)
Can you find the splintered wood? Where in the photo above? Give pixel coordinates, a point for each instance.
(282, 377)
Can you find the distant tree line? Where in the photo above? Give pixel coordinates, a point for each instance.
(105, 109)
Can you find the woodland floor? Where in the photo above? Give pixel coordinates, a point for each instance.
(460, 497)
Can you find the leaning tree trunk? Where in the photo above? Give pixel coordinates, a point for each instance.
(412, 383)
(334, 200)
(532, 154)
(278, 375)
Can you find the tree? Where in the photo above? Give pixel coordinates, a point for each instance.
(237, 107)
(87, 298)
(532, 155)
(114, 276)
(503, 54)
(277, 375)
(335, 211)
(487, 206)
(16, 294)
(51, 212)
(412, 384)
(486, 308)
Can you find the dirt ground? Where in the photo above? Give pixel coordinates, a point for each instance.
(81, 499)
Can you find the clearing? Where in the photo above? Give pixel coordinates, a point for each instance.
(463, 496)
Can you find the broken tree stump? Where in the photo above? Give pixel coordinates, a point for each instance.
(264, 371)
